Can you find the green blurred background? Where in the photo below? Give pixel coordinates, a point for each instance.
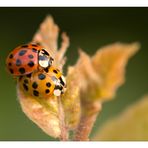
(88, 28)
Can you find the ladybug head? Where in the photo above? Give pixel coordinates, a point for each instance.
(45, 60)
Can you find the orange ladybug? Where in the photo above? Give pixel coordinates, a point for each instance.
(25, 59)
(43, 84)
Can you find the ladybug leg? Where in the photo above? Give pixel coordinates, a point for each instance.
(43, 70)
(40, 69)
(38, 43)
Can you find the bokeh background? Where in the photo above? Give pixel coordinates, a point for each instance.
(88, 28)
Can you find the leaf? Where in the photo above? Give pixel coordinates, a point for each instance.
(99, 77)
(43, 112)
(102, 74)
(71, 101)
(109, 63)
(132, 124)
(47, 36)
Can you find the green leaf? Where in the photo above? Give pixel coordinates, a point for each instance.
(132, 124)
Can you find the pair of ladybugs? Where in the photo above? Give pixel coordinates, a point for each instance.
(32, 64)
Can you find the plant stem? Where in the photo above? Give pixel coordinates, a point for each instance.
(64, 131)
(88, 117)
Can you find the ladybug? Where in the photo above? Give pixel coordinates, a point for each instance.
(27, 58)
(43, 84)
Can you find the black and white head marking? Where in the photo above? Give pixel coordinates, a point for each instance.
(60, 85)
(45, 60)
(45, 52)
(62, 80)
(58, 90)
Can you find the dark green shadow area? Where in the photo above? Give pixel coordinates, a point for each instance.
(89, 29)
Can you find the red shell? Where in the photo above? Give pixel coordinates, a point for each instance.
(23, 59)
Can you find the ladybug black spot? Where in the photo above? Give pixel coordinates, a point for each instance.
(29, 75)
(48, 84)
(31, 64)
(47, 91)
(9, 64)
(34, 50)
(41, 76)
(26, 81)
(11, 56)
(55, 71)
(22, 70)
(34, 85)
(30, 56)
(18, 62)
(25, 87)
(35, 93)
(24, 46)
(22, 52)
(11, 71)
